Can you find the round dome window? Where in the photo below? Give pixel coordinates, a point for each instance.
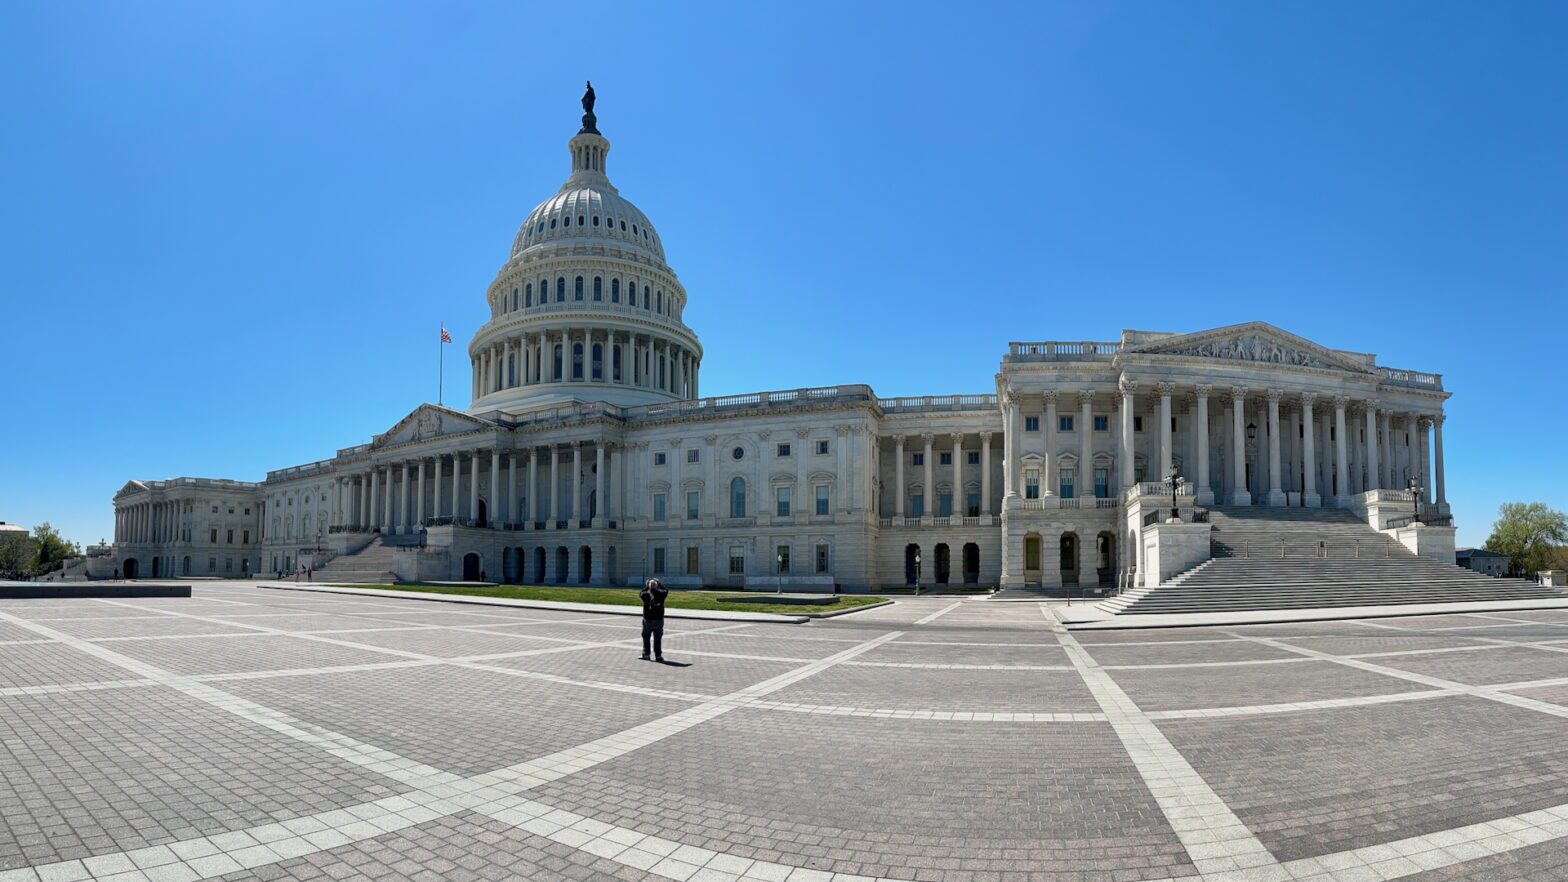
(738, 452)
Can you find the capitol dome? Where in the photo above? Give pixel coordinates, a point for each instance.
(585, 308)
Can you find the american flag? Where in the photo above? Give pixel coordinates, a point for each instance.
(445, 336)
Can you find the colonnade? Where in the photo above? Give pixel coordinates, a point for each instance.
(929, 474)
(646, 361)
(517, 489)
(1274, 447)
(149, 523)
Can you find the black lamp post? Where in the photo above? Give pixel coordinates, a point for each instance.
(917, 572)
(1173, 481)
(1416, 490)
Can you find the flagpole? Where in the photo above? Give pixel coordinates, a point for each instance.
(441, 370)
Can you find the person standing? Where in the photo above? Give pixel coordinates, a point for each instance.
(653, 595)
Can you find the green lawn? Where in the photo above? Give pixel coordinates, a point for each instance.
(679, 599)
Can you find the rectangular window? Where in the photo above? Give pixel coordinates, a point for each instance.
(974, 457)
(822, 448)
(822, 558)
(658, 506)
(822, 499)
(228, 538)
(1064, 424)
(783, 450)
(944, 459)
(944, 505)
(781, 559)
(214, 539)
(212, 565)
(783, 502)
(691, 455)
(1067, 483)
(247, 537)
(1102, 483)
(692, 505)
(917, 505)
(1173, 424)
(228, 565)
(1102, 424)
(1137, 424)
(918, 459)
(737, 560)
(693, 561)
(1031, 424)
(1032, 484)
(972, 505)
(658, 458)
(658, 561)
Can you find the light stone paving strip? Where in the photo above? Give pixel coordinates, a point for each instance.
(938, 614)
(1217, 842)
(436, 793)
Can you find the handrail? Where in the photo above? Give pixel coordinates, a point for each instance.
(1357, 549)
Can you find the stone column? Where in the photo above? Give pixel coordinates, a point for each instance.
(1425, 426)
(1204, 494)
(1309, 466)
(473, 489)
(898, 476)
(598, 486)
(985, 474)
(1239, 494)
(457, 485)
(513, 510)
(495, 487)
(1010, 450)
(577, 485)
(1276, 492)
(388, 500)
(1341, 460)
(1165, 390)
(435, 494)
(960, 508)
(1048, 479)
(1129, 458)
(1386, 451)
(929, 492)
(373, 516)
(1085, 482)
(533, 487)
(1437, 453)
(618, 493)
(1374, 477)
(405, 513)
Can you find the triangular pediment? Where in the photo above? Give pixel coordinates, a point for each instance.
(1258, 342)
(132, 486)
(429, 421)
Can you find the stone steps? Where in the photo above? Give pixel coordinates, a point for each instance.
(371, 564)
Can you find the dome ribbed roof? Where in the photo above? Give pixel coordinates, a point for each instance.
(585, 212)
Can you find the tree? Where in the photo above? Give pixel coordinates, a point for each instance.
(16, 554)
(50, 549)
(1527, 532)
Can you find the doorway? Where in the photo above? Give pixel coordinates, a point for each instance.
(470, 567)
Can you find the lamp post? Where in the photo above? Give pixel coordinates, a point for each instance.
(778, 573)
(917, 572)
(1173, 481)
(1416, 490)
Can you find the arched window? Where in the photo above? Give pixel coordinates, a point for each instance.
(555, 374)
(577, 361)
(577, 289)
(528, 294)
(598, 288)
(615, 363)
(552, 223)
(560, 289)
(631, 292)
(738, 497)
(615, 290)
(596, 220)
(634, 229)
(623, 225)
(658, 303)
(579, 220)
(567, 220)
(514, 298)
(598, 361)
(647, 297)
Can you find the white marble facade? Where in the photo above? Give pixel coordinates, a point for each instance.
(588, 457)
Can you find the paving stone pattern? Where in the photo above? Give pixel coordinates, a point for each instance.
(249, 734)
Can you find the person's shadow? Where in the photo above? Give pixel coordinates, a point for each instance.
(674, 664)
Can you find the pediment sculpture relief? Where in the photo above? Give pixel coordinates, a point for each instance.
(1254, 347)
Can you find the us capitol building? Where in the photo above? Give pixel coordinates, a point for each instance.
(589, 456)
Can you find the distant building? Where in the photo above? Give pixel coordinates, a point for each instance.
(1482, 561)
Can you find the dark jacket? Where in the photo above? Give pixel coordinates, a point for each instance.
(653, 603)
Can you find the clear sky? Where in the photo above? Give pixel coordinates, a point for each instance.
(228, 231)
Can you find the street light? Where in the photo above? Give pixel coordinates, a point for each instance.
(778, 573)
(917, 572)
(1173, 481)
(1416, 491)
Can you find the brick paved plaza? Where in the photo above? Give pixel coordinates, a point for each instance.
(248, 733)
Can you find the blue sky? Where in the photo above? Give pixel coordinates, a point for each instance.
(229, 230)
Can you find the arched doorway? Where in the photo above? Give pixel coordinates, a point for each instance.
(185, 565)
(971, 564)
(470, 567)
(539, 565)
(563, 563)
(585, 571)
(155, 562)
(484, 514)
(1069, 550)
(511, 565)
(1032, 559)
(911, 564)
(130, 567)
(944, 563)
(1105, 558)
